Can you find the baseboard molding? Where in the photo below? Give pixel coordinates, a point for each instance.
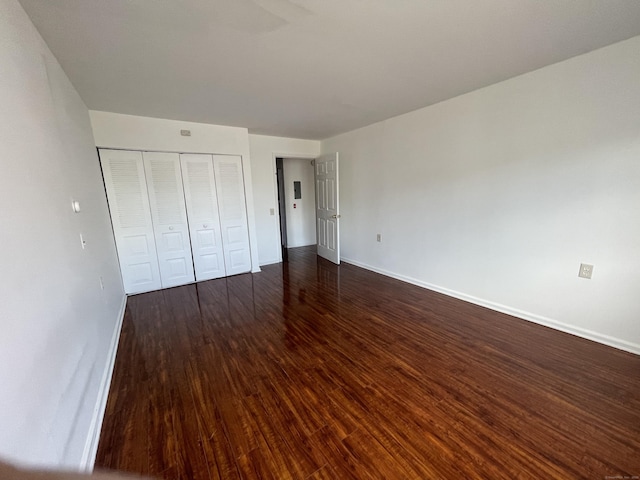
(528, 316)
(91, 445)
(270, 262)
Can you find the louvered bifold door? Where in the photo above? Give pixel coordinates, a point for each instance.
(233, 213)
(202, 212)
(166, 198)
(126, 187)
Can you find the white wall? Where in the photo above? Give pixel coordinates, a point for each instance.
(264, 150)
(301, 221)
(498, 195)
(57, 323)
(144, 133)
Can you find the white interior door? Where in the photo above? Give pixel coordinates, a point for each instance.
(126, 186)
(204, 219)
(166, 198)
(233, 213)
(327, 207)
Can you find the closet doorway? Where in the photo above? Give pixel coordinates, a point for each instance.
(177, 217)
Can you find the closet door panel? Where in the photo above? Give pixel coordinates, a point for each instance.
(126, 188)
(166, 199)
(233, 213)
(204, 219)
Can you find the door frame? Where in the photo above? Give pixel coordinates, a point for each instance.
(274, 156)
(282, 213)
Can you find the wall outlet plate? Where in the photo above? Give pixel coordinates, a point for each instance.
(586, 270)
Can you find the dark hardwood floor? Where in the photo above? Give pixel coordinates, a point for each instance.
(312, 371)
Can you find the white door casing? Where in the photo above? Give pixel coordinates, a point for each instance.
(168, 211)
(126, 187)
(233, 213)
(204, 219)
(327, 207)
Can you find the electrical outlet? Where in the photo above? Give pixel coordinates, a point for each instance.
(378, 238)
(586, 270)
(272, 211)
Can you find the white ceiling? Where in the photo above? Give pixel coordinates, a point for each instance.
(311, 68)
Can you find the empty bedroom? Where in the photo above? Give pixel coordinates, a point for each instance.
(305, 239)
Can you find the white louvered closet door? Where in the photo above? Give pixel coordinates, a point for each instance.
(126, 187)
(202, 212)
(166, 198)
(233, 213)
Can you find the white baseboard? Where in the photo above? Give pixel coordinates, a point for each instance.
(270, 262)
(91, 445)
(531, 317)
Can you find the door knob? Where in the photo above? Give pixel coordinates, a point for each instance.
(335, 216)
(170, 228)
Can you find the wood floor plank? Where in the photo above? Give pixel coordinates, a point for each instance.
(338, 456)
(217, 404)
(124, 441)
(324, 473)
(186, 438)
(211, 426)
(253, 465)
(309, 370)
